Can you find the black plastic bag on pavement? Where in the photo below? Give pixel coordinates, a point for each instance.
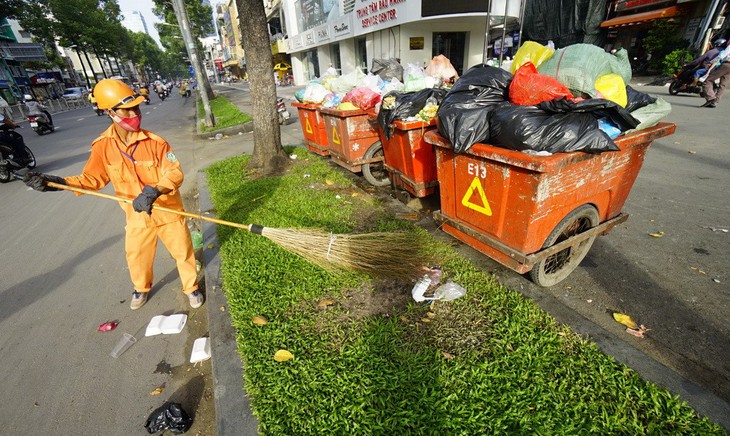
(169, 416)
(387, 69)
(597, 107)
(464, 113)
(637, 99)
(530, 128)
(407, 104)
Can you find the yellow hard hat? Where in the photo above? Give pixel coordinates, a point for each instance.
(115, 94)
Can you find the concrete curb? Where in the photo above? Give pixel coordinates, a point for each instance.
(233, 414)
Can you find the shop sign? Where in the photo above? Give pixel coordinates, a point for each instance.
(416, 43)
(627, 5)
(342, 27)
(371, 15)
(323, 33)
(309, 39)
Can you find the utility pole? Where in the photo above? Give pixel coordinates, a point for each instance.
(192, 48)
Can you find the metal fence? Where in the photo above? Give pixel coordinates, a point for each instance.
(20, 111)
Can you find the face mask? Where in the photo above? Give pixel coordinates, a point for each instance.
(131, 124)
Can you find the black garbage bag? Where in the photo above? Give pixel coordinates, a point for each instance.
(407, 104)
(387, 69)
(637, 99)
(169, 416)
(463, 116)
(597, 107)
(530, 128)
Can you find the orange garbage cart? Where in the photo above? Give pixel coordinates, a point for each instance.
(537, 214)
(409, 159)
(349, 136)
(315, 134)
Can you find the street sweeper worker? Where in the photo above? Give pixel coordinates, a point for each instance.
(141, 166)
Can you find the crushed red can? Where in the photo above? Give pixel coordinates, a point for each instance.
(108, 326)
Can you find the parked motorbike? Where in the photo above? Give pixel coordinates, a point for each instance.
(40, 124)
(9, 163)
(99, 112)
(282, 110)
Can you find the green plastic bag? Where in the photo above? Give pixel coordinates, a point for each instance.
(578, 66)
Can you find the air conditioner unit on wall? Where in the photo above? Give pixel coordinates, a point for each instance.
(719, 22)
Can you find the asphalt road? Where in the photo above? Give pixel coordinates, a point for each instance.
(64, 273)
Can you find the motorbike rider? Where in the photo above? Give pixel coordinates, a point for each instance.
(36, 108)
(144, 92)
(12, 139)
(698, 67)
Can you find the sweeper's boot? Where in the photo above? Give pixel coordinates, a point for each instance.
(196, 299)
(138, 300)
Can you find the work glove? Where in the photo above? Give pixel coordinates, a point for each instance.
(143, 202)
(38, 181)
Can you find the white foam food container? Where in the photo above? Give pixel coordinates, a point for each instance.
(201, 350)
(167, 325)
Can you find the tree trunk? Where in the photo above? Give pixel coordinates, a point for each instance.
(268, 154)
(101, 62)
(93, 73)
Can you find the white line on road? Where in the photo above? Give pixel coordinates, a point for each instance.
(81, 119)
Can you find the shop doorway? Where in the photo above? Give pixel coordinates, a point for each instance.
(361, 54)
(453, 46)
(312, 62)
(335, 57)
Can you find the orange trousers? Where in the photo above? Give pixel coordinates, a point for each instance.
(141, 244)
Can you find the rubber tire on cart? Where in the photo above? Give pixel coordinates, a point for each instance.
(375, 173)
(5, 174)
(555, 268)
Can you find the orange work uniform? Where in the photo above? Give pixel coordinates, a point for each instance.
(148, 160)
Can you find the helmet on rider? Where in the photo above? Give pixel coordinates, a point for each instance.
(27, 97)
(720, 42)
(114, 94)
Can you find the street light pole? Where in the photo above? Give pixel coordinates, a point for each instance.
(192, 48)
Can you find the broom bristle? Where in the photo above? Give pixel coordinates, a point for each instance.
(385, 254)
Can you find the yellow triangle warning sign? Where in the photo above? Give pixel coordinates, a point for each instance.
(308, 127)
(335, 136)
(484, 208)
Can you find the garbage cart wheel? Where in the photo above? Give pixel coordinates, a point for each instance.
(555, 268)
(375, 173)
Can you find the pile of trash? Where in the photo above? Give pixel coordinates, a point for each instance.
(387, 79)
(571, 99)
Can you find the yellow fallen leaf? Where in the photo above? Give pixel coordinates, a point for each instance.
(625, 320)
(403, 318)
(259, 320)
(656, 235)
(355, 194)
(425, 320)
(329, 182)
(447, 355)
(158, 391)
(325, 302)
(211, 245)
(430, 314)
(283, 356)
(222, 308)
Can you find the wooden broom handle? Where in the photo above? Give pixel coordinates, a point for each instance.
(154, 206)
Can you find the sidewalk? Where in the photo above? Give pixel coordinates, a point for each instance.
(233, 412)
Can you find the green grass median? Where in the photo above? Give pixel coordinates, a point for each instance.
(368, 359)
(226, 114)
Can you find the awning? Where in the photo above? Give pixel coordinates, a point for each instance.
(627, 20)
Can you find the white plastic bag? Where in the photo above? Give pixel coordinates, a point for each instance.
(315, 93)
(375, 83)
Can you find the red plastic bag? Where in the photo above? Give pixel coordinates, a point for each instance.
(364, 98)
(530, 88)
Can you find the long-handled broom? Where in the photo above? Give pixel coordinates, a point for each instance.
(389, 254)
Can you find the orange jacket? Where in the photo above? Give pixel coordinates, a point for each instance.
(150, 162)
